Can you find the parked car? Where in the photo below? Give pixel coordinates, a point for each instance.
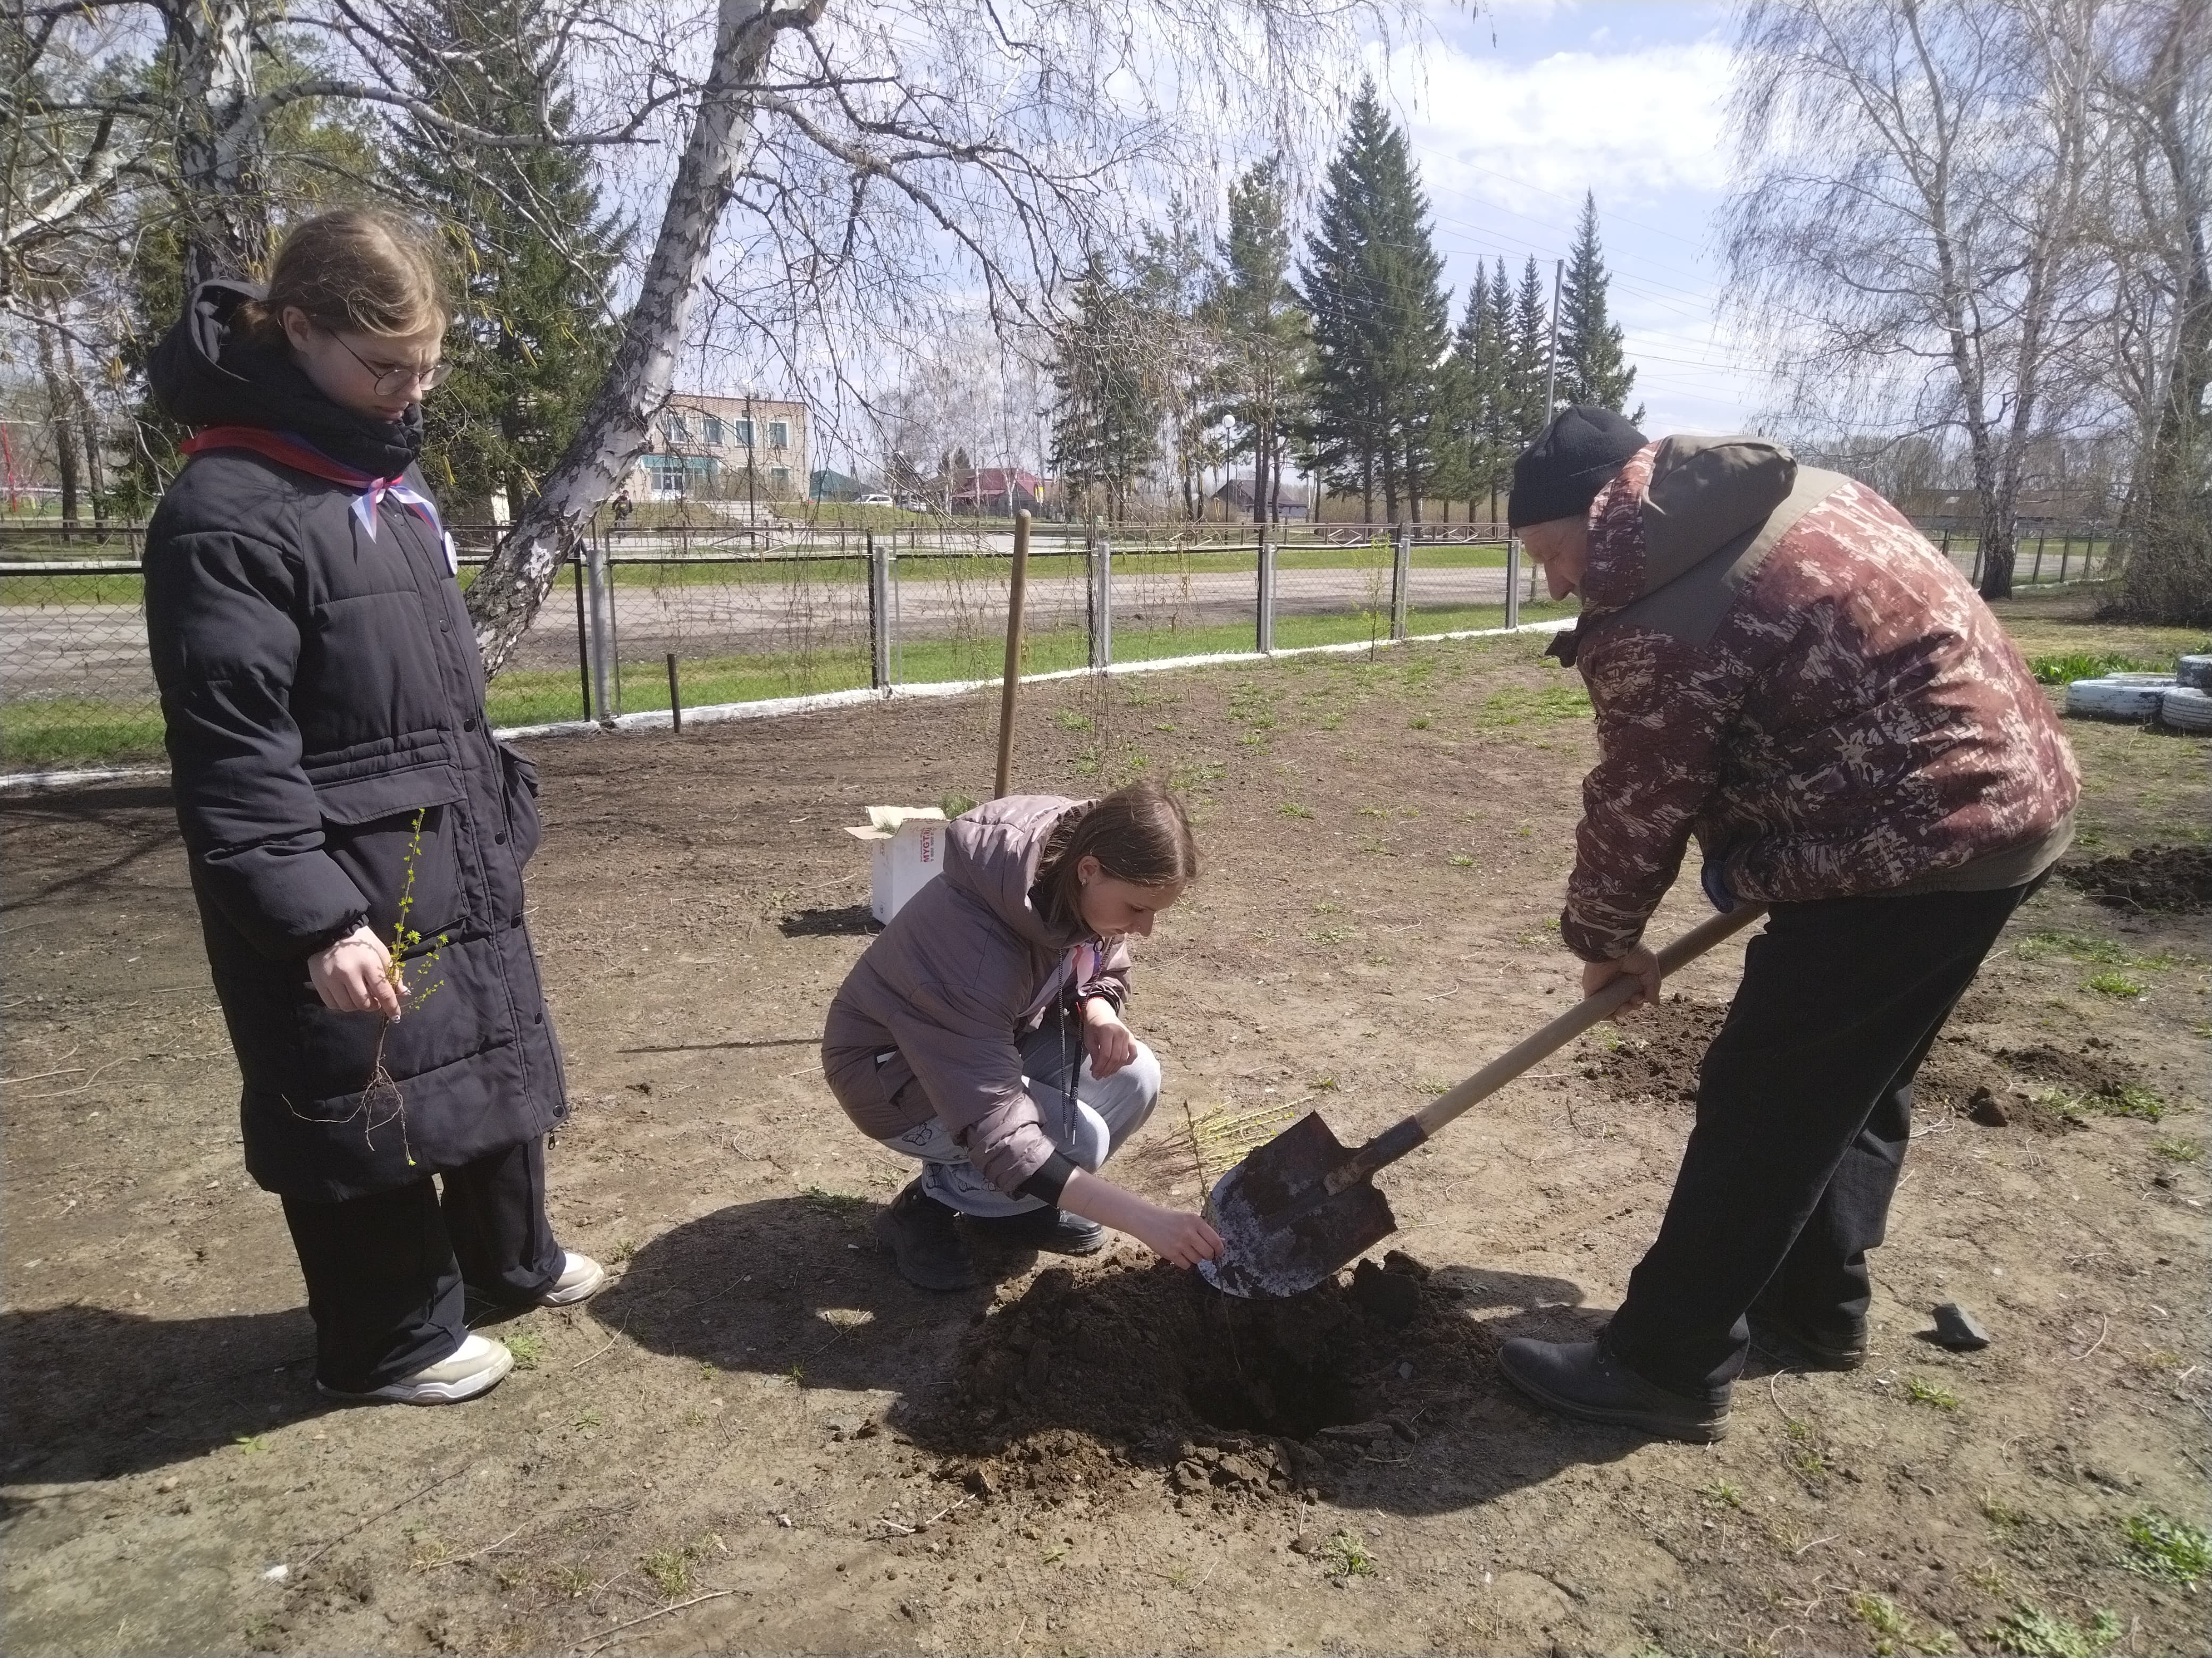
(878, 500)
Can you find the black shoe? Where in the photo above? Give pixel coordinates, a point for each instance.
(1053, 1230)
(1583, 1379)
(918, 1231)
(1807, 1347)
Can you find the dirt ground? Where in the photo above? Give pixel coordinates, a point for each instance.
(757, 1439)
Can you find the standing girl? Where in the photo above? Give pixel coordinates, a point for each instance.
(355, 835)
(980, 1033)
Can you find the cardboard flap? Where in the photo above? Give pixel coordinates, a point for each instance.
(868, 834)
(888, 818)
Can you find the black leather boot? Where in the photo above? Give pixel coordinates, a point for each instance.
(1055, 1231)
(1807, 1347)
(920, 1234)
(1583, 1379)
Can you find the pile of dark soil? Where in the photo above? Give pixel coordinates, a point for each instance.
(2176, 879)
(1090, 1377)
(1658, 1051)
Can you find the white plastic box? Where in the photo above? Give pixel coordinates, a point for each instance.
(907, 844)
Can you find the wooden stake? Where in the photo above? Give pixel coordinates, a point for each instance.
(675, 697)
(1015, 595)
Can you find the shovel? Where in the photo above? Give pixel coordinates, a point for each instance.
(1304, 1205)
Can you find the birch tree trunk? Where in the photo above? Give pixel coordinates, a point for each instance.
(219, 141)
(506, 596)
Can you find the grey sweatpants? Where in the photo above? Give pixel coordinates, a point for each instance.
(1086, 1117)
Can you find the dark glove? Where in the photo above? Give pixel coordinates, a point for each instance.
(1713, 877)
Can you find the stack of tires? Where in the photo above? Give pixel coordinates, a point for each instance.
(2188, 706)
(2182, 699)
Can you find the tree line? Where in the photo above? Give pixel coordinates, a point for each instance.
(1339, 358)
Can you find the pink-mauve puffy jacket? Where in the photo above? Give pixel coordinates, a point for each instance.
(947, 987)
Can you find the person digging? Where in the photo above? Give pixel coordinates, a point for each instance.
(1782, 666)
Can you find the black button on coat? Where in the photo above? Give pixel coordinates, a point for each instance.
(323, 694)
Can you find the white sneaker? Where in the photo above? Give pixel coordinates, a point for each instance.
(474, 1367)
(581, 1277)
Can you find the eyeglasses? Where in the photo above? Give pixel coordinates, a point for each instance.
(390, 377)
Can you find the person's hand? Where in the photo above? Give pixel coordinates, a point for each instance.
(1105, 1038)
(356, 974)
(1171, 1234)
(1640, 964)
(1177, 1235)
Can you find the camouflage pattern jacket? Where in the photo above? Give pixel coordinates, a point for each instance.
(1782, 666)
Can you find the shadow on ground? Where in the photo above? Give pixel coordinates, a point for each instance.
(94, 1393)
(1130, 1359)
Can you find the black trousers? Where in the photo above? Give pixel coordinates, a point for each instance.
(388, 1274)
(1804, 1113)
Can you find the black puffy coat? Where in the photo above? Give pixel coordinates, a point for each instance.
(322, 688)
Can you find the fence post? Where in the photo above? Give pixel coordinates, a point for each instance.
(1512, 579)
(2035, 574)
(2065, 547)
(1401, 576)
(602, 649)
(583, 631)
(1101, 603)
(879, 615)
(1267, 634)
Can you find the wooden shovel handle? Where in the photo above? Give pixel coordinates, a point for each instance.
(1576, 1019)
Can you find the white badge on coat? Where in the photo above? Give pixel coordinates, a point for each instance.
(452, 553)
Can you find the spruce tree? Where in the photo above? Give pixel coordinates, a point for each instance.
(1592, 367)
(1529, 356)
(532, 249)
(1263, 329)
(1372, 280)
(1106, 424)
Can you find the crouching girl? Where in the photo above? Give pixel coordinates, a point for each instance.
(982, 1034)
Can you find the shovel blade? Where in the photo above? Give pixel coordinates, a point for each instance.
(1282, 1234)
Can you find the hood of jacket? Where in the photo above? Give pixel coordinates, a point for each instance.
(993, 852)
(207, 372)
(1674, 505)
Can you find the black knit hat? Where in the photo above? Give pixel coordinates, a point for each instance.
(1572, 458)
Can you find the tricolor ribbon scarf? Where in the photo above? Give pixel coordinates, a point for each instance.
(288, 449)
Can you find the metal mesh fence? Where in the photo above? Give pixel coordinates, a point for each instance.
(753, 613)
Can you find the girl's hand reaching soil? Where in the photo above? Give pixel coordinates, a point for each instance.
(1105, 1038)
(1171, 1234)
(357, 975)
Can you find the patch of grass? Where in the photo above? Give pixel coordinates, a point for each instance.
(586, 1420)
(1894, 1631)
(1055, 1554)
(843, 1205)
(1722, 1495)
(1459, 861)
(252, 1444)
(1803, 1452)
(669, 1570)
(1431, 1086)
(2170, 1550)
(2064, 667)
(1419, 722)
(1069, 720)
(1293, 809)
(1345, 1555)
(1517, 705)
(1332, 935)
(2030, 1632)
(2179, 1151)
(2113, 982)
(571, 1581)
(1921, 1391)
(528, 1348)
(955, 806)
(2002, 1514)
(2082, 948)
(624, 1249)
(2128, 1100)
(1328, 1084)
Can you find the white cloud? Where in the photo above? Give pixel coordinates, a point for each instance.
(1630, 125)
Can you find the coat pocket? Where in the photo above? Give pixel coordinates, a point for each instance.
(519, 775)
(397, 835)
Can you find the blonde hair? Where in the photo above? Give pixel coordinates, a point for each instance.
(355, 270)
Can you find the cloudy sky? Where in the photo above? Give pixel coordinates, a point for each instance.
(1513, 113)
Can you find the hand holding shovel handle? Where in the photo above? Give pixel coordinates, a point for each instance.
(1395, 1142)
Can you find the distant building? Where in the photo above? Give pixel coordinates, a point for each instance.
(828, 485)
(994, 489)
(724, 449)
(1239, 495)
